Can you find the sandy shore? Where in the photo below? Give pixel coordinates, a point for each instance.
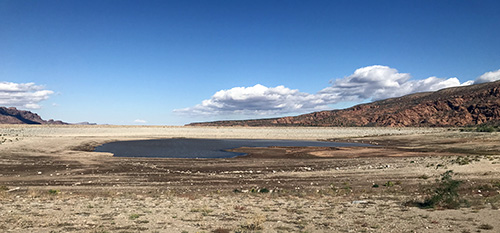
(51, 182)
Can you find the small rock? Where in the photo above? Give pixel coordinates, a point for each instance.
(14, 189)
(359, 202)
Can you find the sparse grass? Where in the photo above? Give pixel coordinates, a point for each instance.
(254, 224)
(445, 195)
(221, 230)
(134, 216)
(462, 160)
(53, 191)
(204, 211)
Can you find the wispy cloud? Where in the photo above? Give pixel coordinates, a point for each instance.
(25, 95)
(140, 121)
(367, 83)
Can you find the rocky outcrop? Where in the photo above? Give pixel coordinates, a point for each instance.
(15, 116)
(458, 106)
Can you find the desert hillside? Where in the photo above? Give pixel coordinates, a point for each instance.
(14, 116)
(458, 106)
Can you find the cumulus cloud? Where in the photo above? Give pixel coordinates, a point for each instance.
(256, 100)
(381, 82)
(488, 77)
(25, 95)
(367, 83)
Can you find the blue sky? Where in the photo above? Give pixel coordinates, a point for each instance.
(175, 62)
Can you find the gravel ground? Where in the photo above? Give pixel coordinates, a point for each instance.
(50, 181)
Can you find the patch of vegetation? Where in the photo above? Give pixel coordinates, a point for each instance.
(254, 190)
(487, 128)
(4, 188)
(264, 190)
(375, 186)
(204, 211)
(53, 191)
(389, 184)
(221, 230)
(134, 216)
(445, 195)
(485, 227)
(439, 165)
(344, 189)
(496, 184)
(461, 160)
(424, 177)
(253, 224)
(347, 187)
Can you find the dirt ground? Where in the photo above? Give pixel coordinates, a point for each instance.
(51, 181)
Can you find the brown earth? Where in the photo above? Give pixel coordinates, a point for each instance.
(51, 182)
(452, 107)
(14, 116)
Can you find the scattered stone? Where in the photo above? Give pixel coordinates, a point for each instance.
(359, 202)
(14, 189)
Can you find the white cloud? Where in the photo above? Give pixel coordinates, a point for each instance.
(488, 77)
(381, 82)
(25, 95)
(256, 100)
(140, 121)
(367, 83)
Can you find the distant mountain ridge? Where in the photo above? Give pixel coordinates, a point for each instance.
(450, 107)
(14, 116)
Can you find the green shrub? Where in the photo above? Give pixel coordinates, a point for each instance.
(389, 184)
(264, 190)
(486, 128)
(53, 191)
(445, 194)
(134, 216)
(462, 160)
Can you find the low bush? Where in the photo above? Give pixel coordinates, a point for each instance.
(445, 195)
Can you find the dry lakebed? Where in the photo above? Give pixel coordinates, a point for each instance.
(408, 180)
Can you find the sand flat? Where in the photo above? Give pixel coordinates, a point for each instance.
(51, 181)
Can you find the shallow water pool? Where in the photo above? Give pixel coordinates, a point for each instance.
(201, 148)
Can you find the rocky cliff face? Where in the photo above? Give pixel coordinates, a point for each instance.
(458, 106)
(15, 116)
